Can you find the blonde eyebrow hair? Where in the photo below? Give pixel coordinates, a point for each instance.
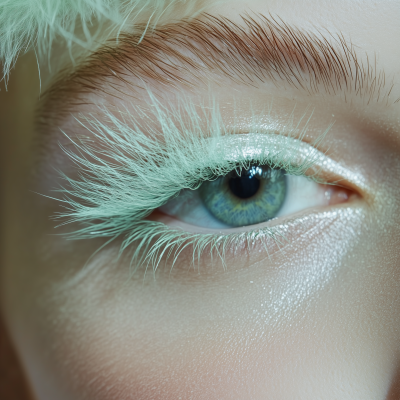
(195, 52)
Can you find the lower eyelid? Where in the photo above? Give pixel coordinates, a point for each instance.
(265, 243)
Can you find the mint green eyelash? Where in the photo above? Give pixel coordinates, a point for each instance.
(128, 166)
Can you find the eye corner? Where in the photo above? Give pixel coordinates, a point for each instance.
(339, 194)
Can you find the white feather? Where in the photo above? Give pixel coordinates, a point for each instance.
(27, 24)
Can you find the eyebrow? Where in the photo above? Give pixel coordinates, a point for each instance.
(196, 52)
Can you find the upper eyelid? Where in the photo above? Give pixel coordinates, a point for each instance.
(263, 49)
(333, 172)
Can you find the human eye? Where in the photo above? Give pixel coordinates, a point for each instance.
(250, 196)
(173, 184)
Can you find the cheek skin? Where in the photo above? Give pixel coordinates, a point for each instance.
(310, 321)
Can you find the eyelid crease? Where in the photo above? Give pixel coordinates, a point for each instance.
(127, 172)
(308, 160)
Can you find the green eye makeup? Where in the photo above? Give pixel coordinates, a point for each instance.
(202, 176)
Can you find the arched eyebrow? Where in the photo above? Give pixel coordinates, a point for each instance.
(196, 52)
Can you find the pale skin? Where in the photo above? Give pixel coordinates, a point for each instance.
(319, 319)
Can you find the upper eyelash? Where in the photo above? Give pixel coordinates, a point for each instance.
(135, 168)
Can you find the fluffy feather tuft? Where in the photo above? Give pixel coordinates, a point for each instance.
(27, 24)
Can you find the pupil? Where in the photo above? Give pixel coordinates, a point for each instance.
(246, 185)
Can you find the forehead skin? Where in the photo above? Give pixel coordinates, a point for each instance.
(319, 320)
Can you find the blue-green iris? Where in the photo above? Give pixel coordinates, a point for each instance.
(245, 197)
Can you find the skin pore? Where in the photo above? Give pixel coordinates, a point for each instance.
(315, 317)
